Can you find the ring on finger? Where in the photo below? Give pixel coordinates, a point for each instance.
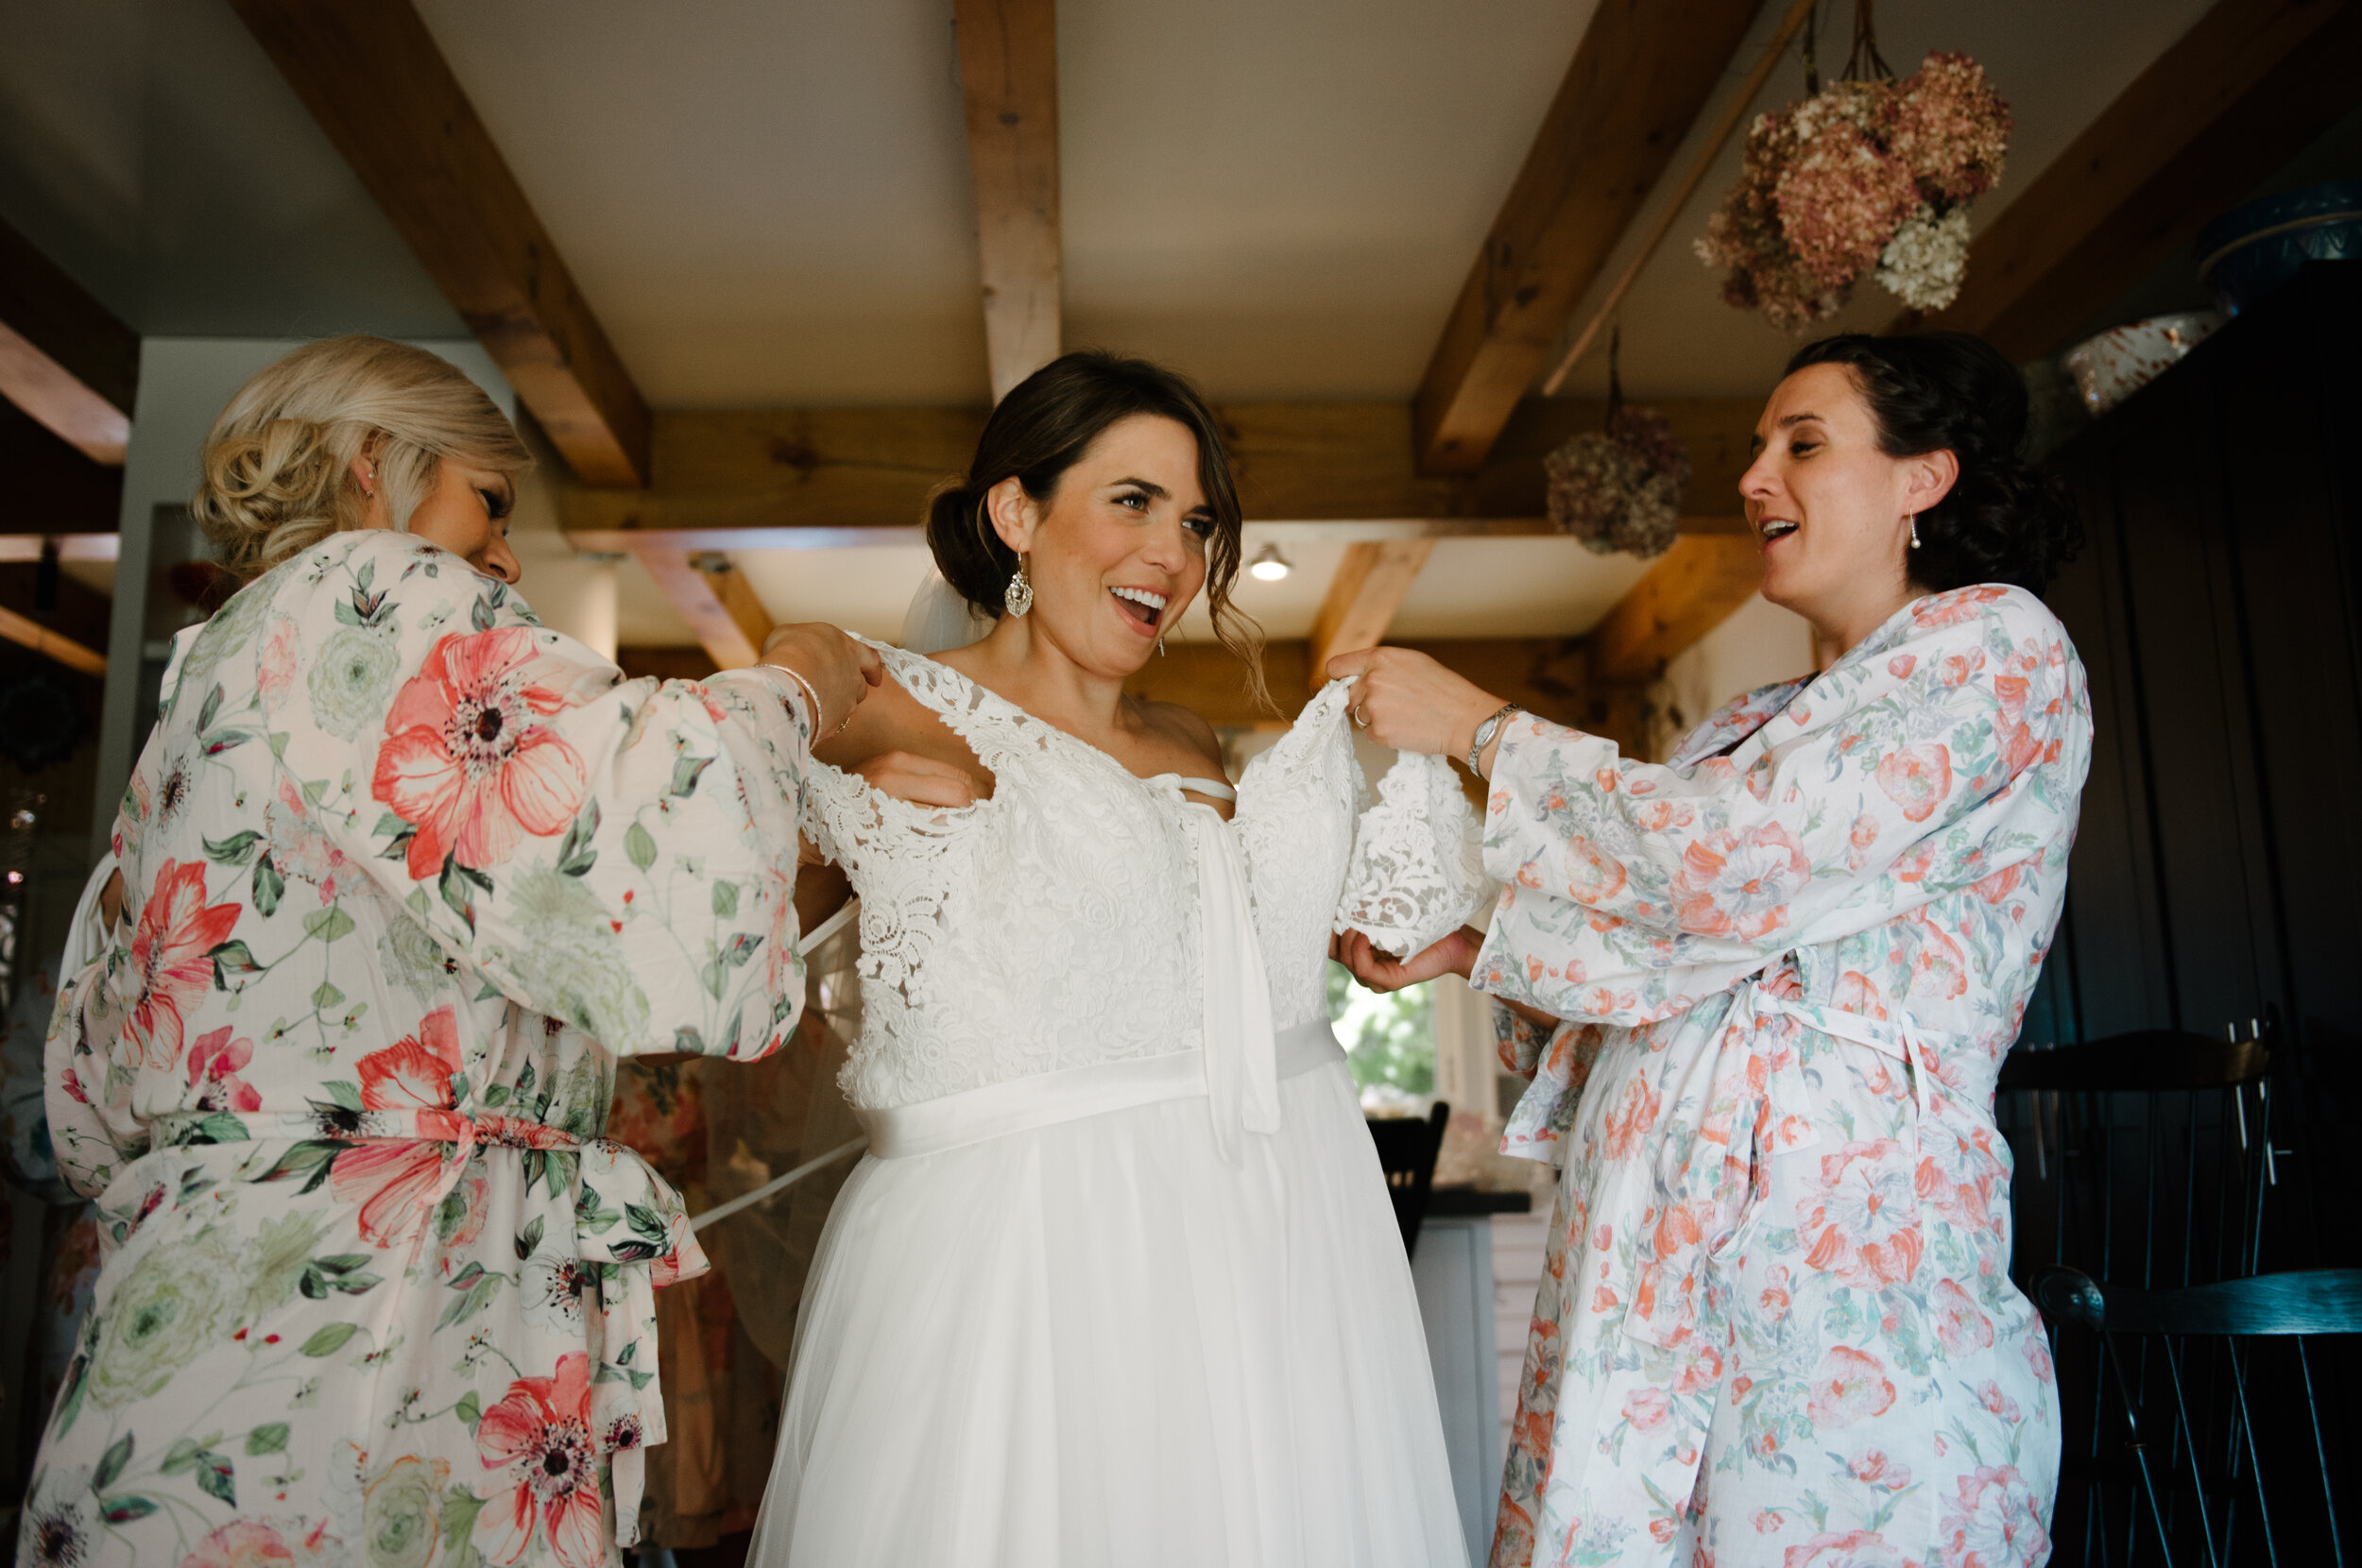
(1361, 720)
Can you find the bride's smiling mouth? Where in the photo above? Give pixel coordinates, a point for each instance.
(1145, 607)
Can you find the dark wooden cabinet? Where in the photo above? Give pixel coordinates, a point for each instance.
(2217, 605)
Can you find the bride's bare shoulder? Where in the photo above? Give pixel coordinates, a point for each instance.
(892, 721)
(1183, 728)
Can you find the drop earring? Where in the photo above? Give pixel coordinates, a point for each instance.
(1019, 596)
(1160, 644)
(1914, 530)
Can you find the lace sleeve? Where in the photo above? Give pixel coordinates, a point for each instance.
(1417, 872)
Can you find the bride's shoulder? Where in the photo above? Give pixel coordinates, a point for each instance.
(1182, 729)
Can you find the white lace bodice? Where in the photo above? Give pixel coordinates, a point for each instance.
(1057, 925)
(1297, 803)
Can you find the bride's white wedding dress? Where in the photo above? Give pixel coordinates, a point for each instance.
(1118, 1282)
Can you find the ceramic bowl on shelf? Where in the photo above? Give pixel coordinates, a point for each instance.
(2252, 248)
(2119, 362)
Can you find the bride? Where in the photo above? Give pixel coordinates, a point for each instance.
(1118, 1281)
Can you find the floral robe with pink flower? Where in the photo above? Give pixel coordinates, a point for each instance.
(404, 872)
(1776, 1322)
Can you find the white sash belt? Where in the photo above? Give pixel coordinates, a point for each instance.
(1022, 1104)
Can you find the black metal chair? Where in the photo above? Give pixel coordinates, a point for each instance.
(2146, 1159)
(2204, 1469)
(1407, 1148)
(2146, 1156)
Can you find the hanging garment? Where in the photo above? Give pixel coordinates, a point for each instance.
(404, 872)
(1776, 1321)
(1118, 1282)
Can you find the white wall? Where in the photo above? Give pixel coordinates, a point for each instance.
(1758, 645)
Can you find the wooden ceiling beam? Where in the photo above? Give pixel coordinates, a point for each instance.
(1542, 675)
(1693, 588)
(70, 628)
(52, 488)
(2248, 86)
(370, 73)
(1640, 77)
(1009, 74)
(784, 478)
(65, 359)
(714, 597)
(71, 546)
(1370, 586)
(27, 631)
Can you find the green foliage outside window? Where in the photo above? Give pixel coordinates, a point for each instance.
(1389, 1039)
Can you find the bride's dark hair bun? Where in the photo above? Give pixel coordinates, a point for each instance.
(2005, 520)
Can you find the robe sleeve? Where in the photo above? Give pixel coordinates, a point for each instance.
(1636, 889)
(617, 854)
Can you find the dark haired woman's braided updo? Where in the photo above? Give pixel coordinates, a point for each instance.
(1040, 430)
(2005, 520)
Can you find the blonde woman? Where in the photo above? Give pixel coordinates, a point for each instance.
(400, 872)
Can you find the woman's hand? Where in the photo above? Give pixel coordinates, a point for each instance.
(1454, 955)
(920, 780)
(841, 670)
(1410, 703)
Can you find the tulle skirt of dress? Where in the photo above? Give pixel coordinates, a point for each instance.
(1097, 1343)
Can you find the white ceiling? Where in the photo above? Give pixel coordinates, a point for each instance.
(766, 201)
(153, 150)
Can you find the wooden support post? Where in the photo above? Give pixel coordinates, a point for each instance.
(1009, 70)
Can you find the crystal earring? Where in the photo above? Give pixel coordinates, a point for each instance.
(1019, 596)
(1160, 644)
(1914, 530)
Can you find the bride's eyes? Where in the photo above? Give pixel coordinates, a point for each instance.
(1134, 499)
(1202, 527)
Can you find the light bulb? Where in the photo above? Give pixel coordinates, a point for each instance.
(1269, 565)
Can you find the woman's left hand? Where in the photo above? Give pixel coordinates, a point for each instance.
(1410, 703)
(1454, 955)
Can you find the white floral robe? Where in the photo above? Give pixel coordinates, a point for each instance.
(404, 870)
(1777, 1323)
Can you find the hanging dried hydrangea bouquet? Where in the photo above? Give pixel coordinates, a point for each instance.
(1869, 174)
(1621, 488)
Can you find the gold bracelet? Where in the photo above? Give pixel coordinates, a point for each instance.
(810, 696)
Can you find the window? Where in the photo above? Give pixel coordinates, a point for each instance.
(1389, 1041)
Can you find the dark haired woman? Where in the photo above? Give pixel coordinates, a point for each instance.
(1118, 1282)
(1775, 979)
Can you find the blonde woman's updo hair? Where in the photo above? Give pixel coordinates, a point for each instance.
(279, 460)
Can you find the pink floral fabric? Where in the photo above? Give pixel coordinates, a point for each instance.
(406, 873)
(1777, 1323)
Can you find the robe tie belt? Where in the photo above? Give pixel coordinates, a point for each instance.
(631, 1230)
(1712, 1171)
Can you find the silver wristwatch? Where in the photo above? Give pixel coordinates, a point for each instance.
(1484, 733)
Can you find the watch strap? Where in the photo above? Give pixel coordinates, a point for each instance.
(1484, 733)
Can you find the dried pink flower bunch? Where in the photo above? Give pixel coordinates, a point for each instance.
(1620, 489)
(1865, 175)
